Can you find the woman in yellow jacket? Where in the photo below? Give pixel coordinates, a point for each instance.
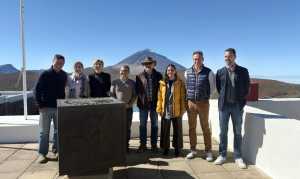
(171, 106)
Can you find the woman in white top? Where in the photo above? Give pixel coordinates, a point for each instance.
(77, 85)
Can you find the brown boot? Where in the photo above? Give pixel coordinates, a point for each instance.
(154, 148)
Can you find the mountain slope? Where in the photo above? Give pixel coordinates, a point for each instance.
(135, 60)
(8, 68)
(13, 81)
(274, 88)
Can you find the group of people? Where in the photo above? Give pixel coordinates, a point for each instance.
(168, 96)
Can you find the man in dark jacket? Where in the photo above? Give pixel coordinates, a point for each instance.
(232, 83)
(147, 84)
(49, 88)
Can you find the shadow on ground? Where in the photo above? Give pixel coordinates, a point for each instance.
(144, 173)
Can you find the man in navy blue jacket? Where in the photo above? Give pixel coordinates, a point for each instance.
(232, 83)
(200, 84)
(50, 87)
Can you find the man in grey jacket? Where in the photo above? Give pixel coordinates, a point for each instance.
(124, 90)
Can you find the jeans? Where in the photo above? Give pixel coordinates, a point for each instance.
(129, 113)
(143, 126)
(46, 115)
(236, 113)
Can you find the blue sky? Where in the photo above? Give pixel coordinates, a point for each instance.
(265, 33)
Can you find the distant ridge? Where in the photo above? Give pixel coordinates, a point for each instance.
(8, 68)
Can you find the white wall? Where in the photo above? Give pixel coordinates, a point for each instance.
(14, 129)
(270, 141)
(136, 123)
(283, 106)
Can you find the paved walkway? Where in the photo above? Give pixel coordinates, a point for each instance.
(19, 161)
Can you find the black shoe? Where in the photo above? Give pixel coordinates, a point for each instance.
(127, 150)
(142, 148)
(154, 148)
(177, 152)
(166, 152)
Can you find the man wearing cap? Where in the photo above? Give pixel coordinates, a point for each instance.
(50, 87)
(147, 84)
(200, 84)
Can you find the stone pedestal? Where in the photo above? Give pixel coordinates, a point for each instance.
(91, 135)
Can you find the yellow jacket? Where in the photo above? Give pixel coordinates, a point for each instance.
(178, 97)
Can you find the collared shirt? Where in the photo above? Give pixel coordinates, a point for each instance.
(149, 91)
(231, 73)
(231, 67)
(211, 78)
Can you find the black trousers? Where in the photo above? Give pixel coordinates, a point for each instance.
(177, 141)
(129, 113)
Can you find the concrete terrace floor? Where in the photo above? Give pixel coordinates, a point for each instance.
(19, 161)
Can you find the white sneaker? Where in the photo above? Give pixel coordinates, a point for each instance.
(241, 164)
(191, 155)
(42, 159)
(220, 160)
(209, 157)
